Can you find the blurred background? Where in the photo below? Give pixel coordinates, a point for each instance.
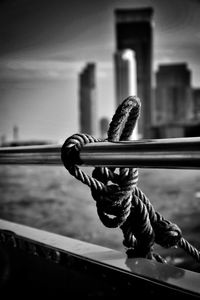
(65, 66)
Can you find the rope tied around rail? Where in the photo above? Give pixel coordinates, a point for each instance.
(120, 203)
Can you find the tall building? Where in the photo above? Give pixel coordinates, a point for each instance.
(104, 126)
(173, 107)
(15, 133)
(125, 74)
(88, 100)
(3, 140)
(196, 98)
(134, 31)
(126, 78)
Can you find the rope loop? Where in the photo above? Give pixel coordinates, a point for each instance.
(119, 202)
(124, 120)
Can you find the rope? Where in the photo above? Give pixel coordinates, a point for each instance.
(120, 203)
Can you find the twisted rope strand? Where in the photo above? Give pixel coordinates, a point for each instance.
(128, 111)
(138, 225)
(188, 248)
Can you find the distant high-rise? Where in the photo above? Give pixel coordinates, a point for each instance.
(173, 94)
(3, 140)
(87, 100)
(173, 99)
(125, 74)
(104, 125)
(134, 31)
(173, 75)
(15, 133)
(196, 97)
(126, 78)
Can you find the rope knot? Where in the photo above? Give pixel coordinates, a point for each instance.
(113, 205)
(113, 200)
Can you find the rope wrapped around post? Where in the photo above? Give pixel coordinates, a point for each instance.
(120, 203)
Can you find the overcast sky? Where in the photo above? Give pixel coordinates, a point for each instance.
(45, 44)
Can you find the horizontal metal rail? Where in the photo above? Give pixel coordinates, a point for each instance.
(42, 155)
(175, 153)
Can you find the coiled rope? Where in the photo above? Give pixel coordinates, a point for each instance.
(122, 204)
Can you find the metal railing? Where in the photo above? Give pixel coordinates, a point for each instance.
(178, 153)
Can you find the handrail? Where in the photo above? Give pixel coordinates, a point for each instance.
(42, 154)
(175, 153)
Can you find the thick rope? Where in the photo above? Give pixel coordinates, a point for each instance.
(122, 204)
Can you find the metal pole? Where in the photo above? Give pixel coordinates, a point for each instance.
(39, 155)
(161, 153)
(177, 153)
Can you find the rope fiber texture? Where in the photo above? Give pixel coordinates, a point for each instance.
(120, 203)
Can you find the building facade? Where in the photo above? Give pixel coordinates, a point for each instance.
(173, 100)
(196, 97)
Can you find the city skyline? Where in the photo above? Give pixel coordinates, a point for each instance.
(45, 45)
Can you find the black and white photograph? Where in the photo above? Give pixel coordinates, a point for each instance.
(99, 149)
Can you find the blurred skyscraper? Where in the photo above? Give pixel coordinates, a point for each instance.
(88, 100)
(125, 74)
(3, 140)
(104, 125)
(196, 97)
(15, 134)
(173, 110)
(125, 78)
(134, 32)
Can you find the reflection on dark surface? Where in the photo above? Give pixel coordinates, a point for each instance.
(153, 269)
(165, 273)
(190, 230)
